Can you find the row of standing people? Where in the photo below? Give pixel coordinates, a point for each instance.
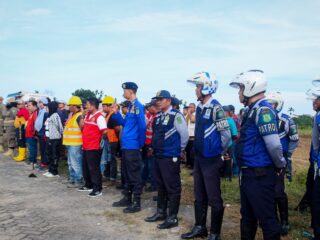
(263, 149)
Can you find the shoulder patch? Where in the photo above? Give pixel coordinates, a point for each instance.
(267, 122)
(179, 119)
(266, 117)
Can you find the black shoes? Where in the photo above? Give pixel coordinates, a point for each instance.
(199, 230)
(95, 194)
(123, 202)
(170, 222)
(134, 207)
(213, 236)
(84, 189)
(158, 216)
(196, 232)
(161, 213)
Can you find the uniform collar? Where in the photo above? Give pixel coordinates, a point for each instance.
(134, 101)
(256, 102)
(166, 112)
(207, 104)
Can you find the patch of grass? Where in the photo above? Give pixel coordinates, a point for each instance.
(231, 196)
(63, 167)
(305, 132)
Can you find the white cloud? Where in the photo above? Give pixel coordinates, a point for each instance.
(38, 12)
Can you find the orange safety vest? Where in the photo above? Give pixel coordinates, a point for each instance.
(112, 136)
(72, 135)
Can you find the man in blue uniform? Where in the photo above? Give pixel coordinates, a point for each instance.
(314, 94)
(133, 139)
(259, 152)
(169, 139)
(212, 136)
(289, 138)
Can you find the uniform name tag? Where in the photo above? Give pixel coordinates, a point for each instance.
(207, 114)
(166, 120)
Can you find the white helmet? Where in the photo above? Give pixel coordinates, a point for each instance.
(316, 82)
(275, 98)
(313, 93)
(254, 82)
(209, 84)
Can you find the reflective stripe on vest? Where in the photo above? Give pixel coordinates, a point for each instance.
(72, 135)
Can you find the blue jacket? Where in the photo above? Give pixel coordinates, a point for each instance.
(315, 149)
(166, 141)
(287, 132)
(210, 120)
(134, 127)
(260, 120)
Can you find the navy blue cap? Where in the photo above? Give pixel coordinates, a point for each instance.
(231, 107)
(175, 101)
(226, 108)
(130, 85)
(125, 104)
(153, 102)
(162, 94)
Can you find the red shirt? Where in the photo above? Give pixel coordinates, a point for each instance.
(30, 129)
(149, 129)
(91, 134)
(23, 112)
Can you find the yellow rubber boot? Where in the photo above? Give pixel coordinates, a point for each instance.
(22, 155)
(1, 148)
(9, 153)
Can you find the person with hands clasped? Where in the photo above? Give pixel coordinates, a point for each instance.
(169, 139)
(259, 153)
(212, 136)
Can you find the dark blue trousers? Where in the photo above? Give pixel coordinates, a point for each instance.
(206, 174)
(132, 170)
(257, 192)
(315, 207)
(167, 175)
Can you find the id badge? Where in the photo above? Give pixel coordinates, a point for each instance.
(207, 114)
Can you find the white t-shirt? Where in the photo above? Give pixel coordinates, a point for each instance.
(101, 121)
(191, 128)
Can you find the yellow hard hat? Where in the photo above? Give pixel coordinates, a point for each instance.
(108, 100)
(75, 100)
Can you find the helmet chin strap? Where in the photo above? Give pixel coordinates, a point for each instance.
(247, 99)
(200, 99)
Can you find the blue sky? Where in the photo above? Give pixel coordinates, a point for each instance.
(98, 44)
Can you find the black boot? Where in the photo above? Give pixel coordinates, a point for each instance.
(248, 230)
(274, 237)
(199, 230)
(216, 223)
(303, 204)
(316, 236)
(283, 212)
(125, 201)
(135, 206)
(172, 220)
(161, 213)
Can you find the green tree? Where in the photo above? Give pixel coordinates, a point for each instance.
(85, 94)
(303, 121)
(291, 110)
